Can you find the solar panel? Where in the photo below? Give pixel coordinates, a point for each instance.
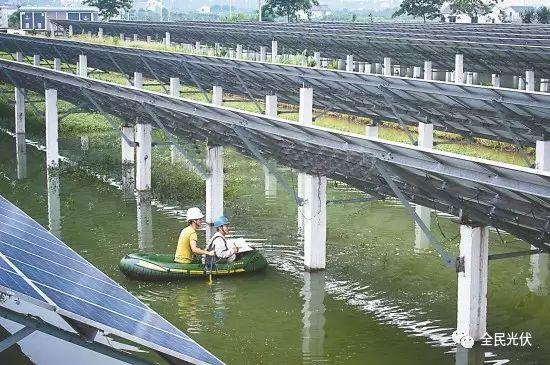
(511, 198)
(34, 263)
(473, 111)
(480, 55)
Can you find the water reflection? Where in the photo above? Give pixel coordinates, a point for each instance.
(422, 242)
(313, 332)
(54, 204)
(270, 183)
(84, 143)
(538, 283)
(144, 220)
(21, 155)
(128, 182)
(473, 356)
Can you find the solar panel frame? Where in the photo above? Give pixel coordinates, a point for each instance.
(496, 194)
(78, 301)
(463, 109)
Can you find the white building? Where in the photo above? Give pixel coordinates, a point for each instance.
(320, 11)
(38, 17)
(5, 12)
(513, 13)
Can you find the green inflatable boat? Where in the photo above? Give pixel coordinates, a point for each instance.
(154, 267)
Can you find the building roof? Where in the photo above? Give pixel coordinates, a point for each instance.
(519, 9)
(320, 8)
(92, 9)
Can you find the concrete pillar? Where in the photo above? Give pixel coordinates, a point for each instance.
(361, 67)
(138, 80)
(387, 66)
(425, 140)
(167, 39)
(475, 78)
(231, 53)
(542, 155)
(175, 87)
(100, 33)
(305, 116)
(121, 36)
(217, 95)
(313, 311)
(315, 222)
(274, 51)
(52, 151)
(378, 68)
(459, 69)
(530, 80)
(472, 283)
(317, 58)
(495, 80)
(126, 148)
(36, 60)
(448, 76)
(239, 51)
(19, 110)
(197, 46)
(57, 64)
(149, 39)
(21, 155)
(89, 34)
(143, 157)
(135, 37)
(417, 72)
(368, 68)
(515, 82)
(83, 65)
(263, 54)
(270, 182)
(350, 65)
(469, 78)
(341, 64)
(544, 85)
(271, 105)
(371, 130)
(217, 47)
(428, 70)
(19, 56)
(70, 30)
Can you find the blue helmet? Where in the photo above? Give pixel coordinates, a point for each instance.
(220, 221)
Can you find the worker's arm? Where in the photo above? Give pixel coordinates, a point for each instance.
(221, 250)
(199, 251)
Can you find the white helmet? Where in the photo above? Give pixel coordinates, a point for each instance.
(194, 213)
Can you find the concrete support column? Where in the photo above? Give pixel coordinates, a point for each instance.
(425, 140)
(239, 51)
(100, 33)
(52, 151)
(36, 60)
(138, 80)
(83, 65)
(544, 85)
(143, 157)
(19, 110)
(475, 78)
(57, 64)
(521, 83)
(495, 80)
(448, 76)
(126, 148)
(149, 39)
(144, 221)
(217, 95)
(472, 283)
(315, 222)
(175, 87)
(167, 39)
(135, 37)
(387, 66)
(542, 155)
(270, 182)
(350, 65)
(428, 70)
(361, 67)
(368, 68)
(305, 116)
(263, 54)
(197, 46)
(21, 155)
(70, 30)
(417, 71)
(274, 51)
(530, 80)
(459, 69)
(469, 78)
(121, 36)
(271, 105)
(341, 64)
(317, 58)
(19, 56)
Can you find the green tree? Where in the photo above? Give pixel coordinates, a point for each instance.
(543, 15)
(474, 8)
(288, 8)
(110, 8)
(425, 9)
(527, 16)
(13, 20)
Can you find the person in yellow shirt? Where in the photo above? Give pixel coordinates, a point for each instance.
(187, 242)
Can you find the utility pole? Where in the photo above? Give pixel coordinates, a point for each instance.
(260, 10)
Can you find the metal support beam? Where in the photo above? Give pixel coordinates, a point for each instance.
(15, 338)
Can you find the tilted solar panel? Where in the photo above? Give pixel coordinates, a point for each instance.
(36, 264)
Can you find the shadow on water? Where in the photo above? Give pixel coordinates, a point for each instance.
(283, 315)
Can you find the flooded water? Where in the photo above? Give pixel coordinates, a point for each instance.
(381, 300)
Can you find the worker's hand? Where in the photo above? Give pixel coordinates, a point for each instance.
(235, 249)
(210, 253)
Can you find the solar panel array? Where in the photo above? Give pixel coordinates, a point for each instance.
(37, 266)
(473, 111)
(480, 54)
(510, 198)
